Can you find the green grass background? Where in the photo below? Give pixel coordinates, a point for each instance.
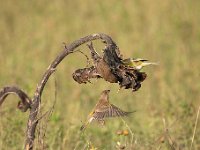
(168, 32)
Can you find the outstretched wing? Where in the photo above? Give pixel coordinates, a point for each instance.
(109, 111)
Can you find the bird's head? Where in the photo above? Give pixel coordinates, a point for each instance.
(106, 91)
(105, 94)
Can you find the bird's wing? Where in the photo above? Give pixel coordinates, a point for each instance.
(127, 59)
(109, 111)
(141, 59)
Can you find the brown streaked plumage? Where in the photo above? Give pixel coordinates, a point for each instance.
(104, 109)
(101, 66)
(104, 70)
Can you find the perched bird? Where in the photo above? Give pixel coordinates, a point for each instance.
(138, 63)
(104, 109)
(101, 66)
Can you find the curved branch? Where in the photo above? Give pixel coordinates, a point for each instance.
(109, 67)
(67, 50)
(32, 122)
(25, 102)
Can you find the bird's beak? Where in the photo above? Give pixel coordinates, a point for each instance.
(106, 92)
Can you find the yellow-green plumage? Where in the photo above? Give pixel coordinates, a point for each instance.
(138, 63)
(103, 109)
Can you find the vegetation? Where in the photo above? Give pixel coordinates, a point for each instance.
(167, 32)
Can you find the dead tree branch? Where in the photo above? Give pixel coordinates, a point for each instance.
(108, 67)
(31, 126)
(25, 102)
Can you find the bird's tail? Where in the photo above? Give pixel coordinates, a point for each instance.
(129, 112)
(84, 126)
(149, 63)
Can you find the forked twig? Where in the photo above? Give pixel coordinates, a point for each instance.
(88, 60)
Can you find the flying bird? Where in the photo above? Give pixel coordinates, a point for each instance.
(104, 109)
(138, 63)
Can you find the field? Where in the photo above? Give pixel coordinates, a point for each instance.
(168, 32)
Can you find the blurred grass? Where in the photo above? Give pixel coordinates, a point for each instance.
(168, 31)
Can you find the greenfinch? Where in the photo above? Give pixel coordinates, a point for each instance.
(138, 63)
(104, 109)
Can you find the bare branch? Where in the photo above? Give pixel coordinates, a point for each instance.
(25, 102)
(108, 67)
(32, 123)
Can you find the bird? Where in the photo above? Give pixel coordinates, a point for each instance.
(103, 69)
(138, 63)
(103, 109)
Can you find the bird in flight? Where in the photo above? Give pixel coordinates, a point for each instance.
(138, 63)
(104, 109)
